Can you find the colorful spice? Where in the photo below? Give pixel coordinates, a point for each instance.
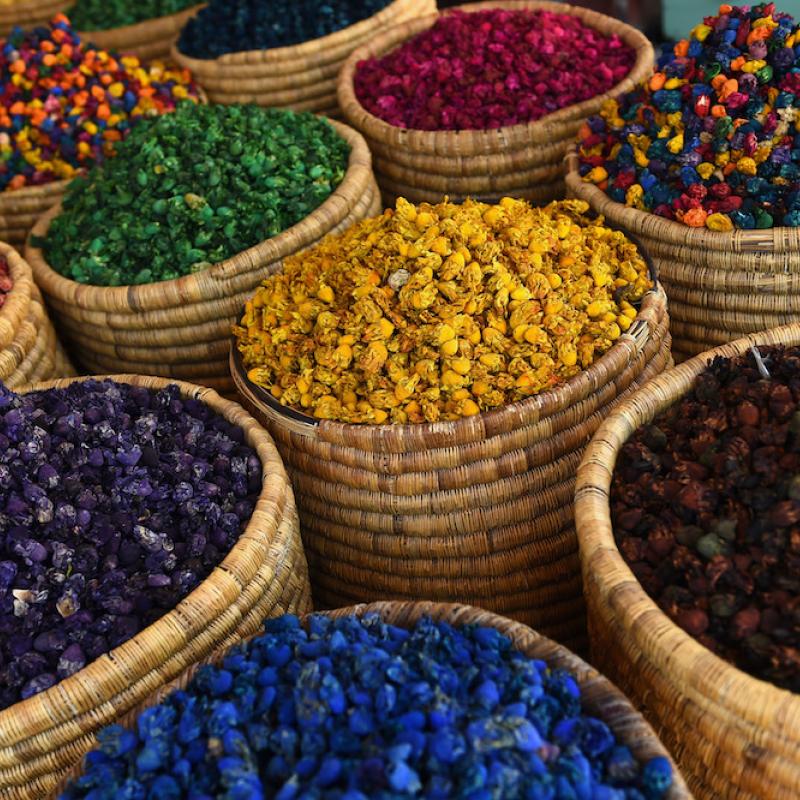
(191, 189)
(440, 312)
(6, 284)
(233, 26)
(115, 502)
(65, 106)
(358, 709)
(706, 506)
(100, 15)
(489, 69)
(712, 139)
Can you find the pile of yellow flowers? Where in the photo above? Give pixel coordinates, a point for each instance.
(438, 312)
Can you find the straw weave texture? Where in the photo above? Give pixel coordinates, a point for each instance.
(181, 328)
(477, 511)
(28, 347)
(600, 697)
(264, 575)
(303, 76)
(720, 285)
(29, 13)
(520, 161)
(19, 209)
(735, 737)
(150, 39)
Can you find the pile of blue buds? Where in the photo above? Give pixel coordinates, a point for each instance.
(355, 709)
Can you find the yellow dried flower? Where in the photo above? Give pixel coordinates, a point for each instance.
(439, 312)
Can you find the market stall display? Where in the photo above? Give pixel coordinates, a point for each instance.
(65, 107)
(284, 54)
(145, 29)
(152, 256)
(29, 349)
(413, 697)
(149, 524)
(701, 162)
(487, 104)
(686, 514)
(432, 427)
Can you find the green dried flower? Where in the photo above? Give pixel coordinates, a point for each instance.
(191, 189)
(100, 15)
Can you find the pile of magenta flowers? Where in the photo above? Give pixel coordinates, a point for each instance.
(489, 69)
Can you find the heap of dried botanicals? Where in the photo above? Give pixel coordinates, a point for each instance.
(65, 106)
(234, 26)
(355, 709)
(439, 312)
(6, 284)
(712, 138)
(194, 188)
(492, 68)
(115, 502)
(100, 15)
(706, 510)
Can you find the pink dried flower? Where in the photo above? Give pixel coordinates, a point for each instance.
(490, 69)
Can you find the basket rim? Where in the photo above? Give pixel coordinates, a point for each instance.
(292, 52)
(476, 141)
(720, 681)
(18, 301)
(453, 427)
(33, 711)
(40, 190)
(651, 226)
(162, 294)
(141, 27)
(628, 724)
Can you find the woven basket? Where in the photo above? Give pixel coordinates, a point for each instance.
(303, 76)
(600, 697)
(720, 285)
(735, 737)
(264, 575)
(476, 511)
(150, 39)
(29, 13)
(181, 328)
(520, 161)
(19, 209)
(29, 350)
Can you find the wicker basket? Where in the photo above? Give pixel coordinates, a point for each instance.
(303, 76)
(181, 328)
(28, 13)
(150, 39)
(734, 736)
(520, 161)
(720, 285)
(264, 575)
(29, 350)
(476, 511)
(19, 209)
(600, 697)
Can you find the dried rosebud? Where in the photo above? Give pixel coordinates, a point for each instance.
(746, 622)
(693, 621)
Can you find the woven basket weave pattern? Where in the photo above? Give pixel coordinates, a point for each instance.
(29, 13)
(600, 697)
(264, 575)
(303, 76)
(181, 328)
(719, 285)
(521, 161)
(150, 39)
(29, 350)
(735, 737)
(476, 511)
